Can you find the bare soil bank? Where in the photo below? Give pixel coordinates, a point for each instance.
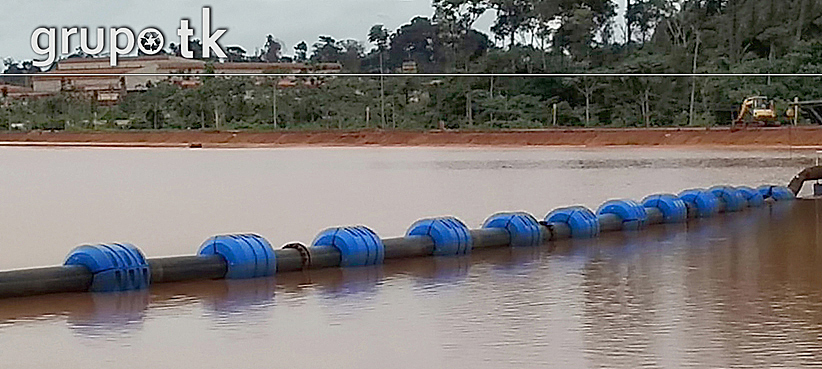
(760, 137)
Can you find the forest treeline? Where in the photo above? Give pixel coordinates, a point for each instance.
(527, 36)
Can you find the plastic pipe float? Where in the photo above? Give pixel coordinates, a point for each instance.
(123, 267)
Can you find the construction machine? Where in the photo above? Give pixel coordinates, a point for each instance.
(757, 111)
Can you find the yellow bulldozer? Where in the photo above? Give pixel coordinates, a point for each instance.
(757, 111)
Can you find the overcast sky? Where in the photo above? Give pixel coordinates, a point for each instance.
(247, 21)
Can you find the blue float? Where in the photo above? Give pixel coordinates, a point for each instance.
(114, 267)
(633, 214)
(782, 193)
(581, 220)
(246, 255)
(523, 228)
(451, 236)
(734, 200)
(778, 193)
(673, 208)
(358, 245)
(704, 202)
(752, 196)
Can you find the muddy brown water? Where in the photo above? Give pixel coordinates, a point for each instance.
(738, 290)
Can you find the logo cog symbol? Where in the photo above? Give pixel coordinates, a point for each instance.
(150, 41)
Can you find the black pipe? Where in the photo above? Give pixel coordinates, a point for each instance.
(47, 280)
(655, 216)
(408, 247)
(41, 281)
(490, 237)
(809, 174)
(609, 222)
(324, 257)
(185, 268)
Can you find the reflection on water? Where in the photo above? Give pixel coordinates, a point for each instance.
(736, 290)
(109, 315)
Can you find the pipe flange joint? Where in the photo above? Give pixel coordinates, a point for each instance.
(633, 214)
(305, 255)
(450, 235)
(778, 193)
(703, 202)
(246, 255)
(114, 267)
(581, 220)
(734, 201)
(752, 196)
(523, 229)
(673, 209)
(358, 245)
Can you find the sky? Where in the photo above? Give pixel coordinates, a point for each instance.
(248, 21)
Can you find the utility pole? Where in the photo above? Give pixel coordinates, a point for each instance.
(382, 92)
(393, 114)
(554, 115)
(274, 103)
(468, 110)
(693, 84)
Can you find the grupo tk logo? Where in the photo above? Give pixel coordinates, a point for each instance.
(122, 41)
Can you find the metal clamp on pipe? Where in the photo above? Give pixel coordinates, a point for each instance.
(305, 256)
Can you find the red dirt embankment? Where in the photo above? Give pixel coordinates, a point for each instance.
(760, 137)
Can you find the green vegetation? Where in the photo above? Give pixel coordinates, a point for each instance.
(529, 36)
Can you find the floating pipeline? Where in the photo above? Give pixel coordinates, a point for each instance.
(123, 267)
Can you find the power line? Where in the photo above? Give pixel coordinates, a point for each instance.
(427, 75)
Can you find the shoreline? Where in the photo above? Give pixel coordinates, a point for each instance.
(760, 138)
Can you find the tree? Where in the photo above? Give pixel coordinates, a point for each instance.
(235, 54)
(326, 50)
(455, 19)
(272, 50)
(418, 42)
(587, 86)
(379, 35)
(13, 71)
(644, 16)
(351, 54)
(301, 51)
(512, 16)
(576, 35)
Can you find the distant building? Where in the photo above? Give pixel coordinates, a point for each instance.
(9, 92)
(109, 84)
(409, 67)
